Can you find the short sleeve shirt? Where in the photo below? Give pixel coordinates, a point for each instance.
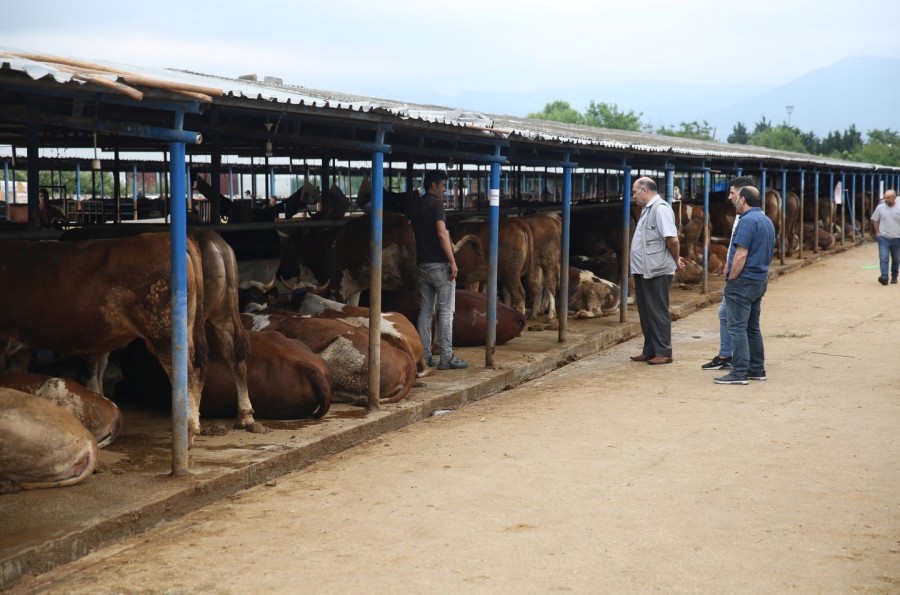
(424, 213)
(888, 219)
(756, 233)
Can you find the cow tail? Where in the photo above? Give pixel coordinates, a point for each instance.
(198, 331)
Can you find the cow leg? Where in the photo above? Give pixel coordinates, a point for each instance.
(235, 356)
(96, 366)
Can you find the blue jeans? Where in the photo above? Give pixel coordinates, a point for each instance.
(436, 289)
(743, 298)
(724, 337)
(889, 249)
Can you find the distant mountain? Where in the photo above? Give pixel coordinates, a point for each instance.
(862, 91)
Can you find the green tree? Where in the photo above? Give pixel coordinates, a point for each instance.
(782, 137)
(607, 115)
(739, 135)
(696, 130)
(883, 148)
(762, 126)
(559, 111)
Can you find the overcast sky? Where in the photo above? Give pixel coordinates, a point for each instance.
(400, 45)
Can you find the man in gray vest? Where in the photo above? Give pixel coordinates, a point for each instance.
(654, 259)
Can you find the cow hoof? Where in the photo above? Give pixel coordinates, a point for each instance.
(257, 428)
(419, 384)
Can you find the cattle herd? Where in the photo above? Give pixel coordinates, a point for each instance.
(291, 345)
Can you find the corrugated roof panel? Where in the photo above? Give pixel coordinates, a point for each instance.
(39, 66)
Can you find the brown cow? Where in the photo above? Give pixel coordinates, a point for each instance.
(469, 318)
(116, 291)
(41, 445)
(395, 327)
(98, 414)
(773, 212)
(345, 348)
(346, 261)
(791, 223)
(546, 232)
(515, 256)
(471, 262)
(825, 238)
(220, 305)
(285, 378)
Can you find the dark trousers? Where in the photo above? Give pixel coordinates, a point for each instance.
(652, 296)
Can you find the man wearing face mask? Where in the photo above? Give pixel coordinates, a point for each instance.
(654, 258)
(746, 281)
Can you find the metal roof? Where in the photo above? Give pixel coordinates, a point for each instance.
(133, 81)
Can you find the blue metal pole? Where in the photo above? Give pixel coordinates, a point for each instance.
(272, 181)
(816, 215)
(853, 207)
(802, 201)
(78, 181)
(134, 192)
(626, 226)
(704, 286)
(670, 184)
(493, 243)
(6, 196)
(843, 204)
(562, 302)
(784, 191)
(377, 215)
(180, 401)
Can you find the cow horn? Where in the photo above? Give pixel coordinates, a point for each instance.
(267, 286)
(289, 287)
(321, 289)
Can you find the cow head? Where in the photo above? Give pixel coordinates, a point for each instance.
(469, 255)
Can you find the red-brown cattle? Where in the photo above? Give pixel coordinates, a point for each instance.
(772, 208)
(590, 296)
(721, 214)
(471, 262)
(825, 238)
(791, 223)
(115, 291)
(469, 318)
(285, 378)
(41, 445)
(345, 348)
(98, 414)
(347, 258)
(516, 256)
(220, 306)
(395, 327)
(546, 232)
(824, 206)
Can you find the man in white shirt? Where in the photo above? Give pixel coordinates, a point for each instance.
(886, 227)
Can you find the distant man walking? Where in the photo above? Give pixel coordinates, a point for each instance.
(886, 227)
(654, 259)
(746, 281)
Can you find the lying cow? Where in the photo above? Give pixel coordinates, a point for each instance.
(590, 296)
(345, 347)
(285, 378)
(115, 291)
(98, 414)
(469, 318)
(41, 445)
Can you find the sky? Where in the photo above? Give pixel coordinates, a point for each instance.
(398, 48)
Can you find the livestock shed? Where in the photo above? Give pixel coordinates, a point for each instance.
(199, 129)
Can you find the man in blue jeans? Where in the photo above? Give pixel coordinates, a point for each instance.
(722, 360)
(886, 227)
(437, 269)
(746, 281)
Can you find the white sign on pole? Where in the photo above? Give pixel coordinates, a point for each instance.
(495, 197)
(838, 194)
(881, 190)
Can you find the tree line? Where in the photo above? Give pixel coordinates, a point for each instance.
(879, 146)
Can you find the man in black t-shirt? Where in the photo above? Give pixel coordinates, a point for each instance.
(437, 269)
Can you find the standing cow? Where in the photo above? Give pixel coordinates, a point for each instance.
(113, 291)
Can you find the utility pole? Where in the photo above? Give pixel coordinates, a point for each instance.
(790, 110)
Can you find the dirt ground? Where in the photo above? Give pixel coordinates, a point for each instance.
(603, 476)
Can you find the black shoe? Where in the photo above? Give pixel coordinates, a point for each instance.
(717, 363)
(882, 280)
(757, 375)
(894, 281)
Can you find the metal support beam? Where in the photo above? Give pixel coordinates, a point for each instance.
(377, 214)
(626, 249)
(562, 302)
(493, 243)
